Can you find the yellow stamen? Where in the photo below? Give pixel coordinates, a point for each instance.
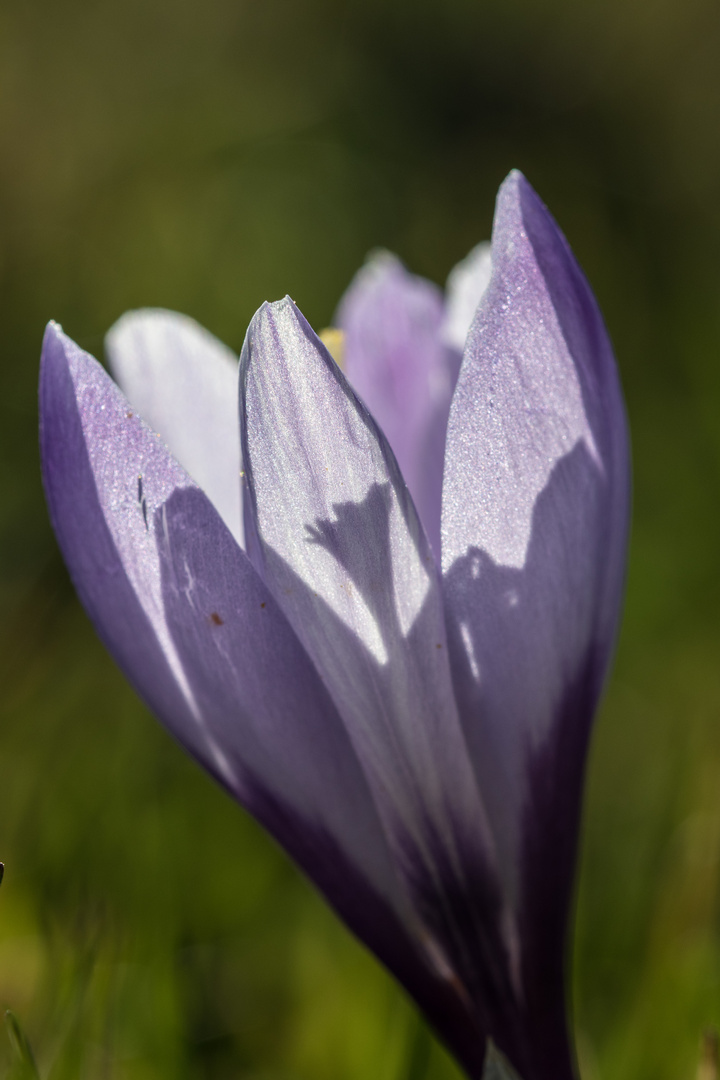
(334, 341)
(708, 1066)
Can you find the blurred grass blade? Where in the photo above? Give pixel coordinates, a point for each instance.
(419, 1050)
(26, 1068)
(496, 1066)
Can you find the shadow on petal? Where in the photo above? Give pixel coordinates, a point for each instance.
(459, 916)
(528, 661)
(249, 709)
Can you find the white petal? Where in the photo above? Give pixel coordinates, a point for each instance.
(183, 382)
(466, 284)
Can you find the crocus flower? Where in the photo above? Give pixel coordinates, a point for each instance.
(401, 694)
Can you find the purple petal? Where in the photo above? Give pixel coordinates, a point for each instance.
(396, 361)
(535, 522)
(183, 382)
(334, 531)
(197, 633)
(285, 742)
(186, 616)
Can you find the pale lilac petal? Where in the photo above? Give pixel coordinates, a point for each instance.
(333, 530)
(183, 382)
(187, 618)
(198, 634)
(464, 290)
(535, 522)
(396, 361)
(284, 742)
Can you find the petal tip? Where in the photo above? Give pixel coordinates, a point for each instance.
(271, 311)
(380, 263)
(53, 334)
(57, 349)
(522, 217)
(511, 193)
(135, 317)
(268, 331)
(144, 320)
(285, 304)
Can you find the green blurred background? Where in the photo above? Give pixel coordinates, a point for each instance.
(206, 157)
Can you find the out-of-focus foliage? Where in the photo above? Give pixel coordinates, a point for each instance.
(206, 157)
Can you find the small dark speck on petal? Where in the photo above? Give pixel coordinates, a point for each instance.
(215, 619)
(438, 646)
(129, 416)
(263, 604)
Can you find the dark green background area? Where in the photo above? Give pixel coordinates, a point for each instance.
(206, 157)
